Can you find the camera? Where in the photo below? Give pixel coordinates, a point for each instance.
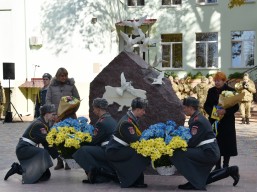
(245, 85)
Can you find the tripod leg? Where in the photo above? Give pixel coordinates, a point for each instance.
(16, 111)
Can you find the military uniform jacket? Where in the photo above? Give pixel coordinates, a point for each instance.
(196, 163)
(37, 132)
(89, 157)
(201, 90)
(226, 127)
(128, 164)
(40, 100)
(104, 128)
(248, 91)
(35, 160)
(2, 95)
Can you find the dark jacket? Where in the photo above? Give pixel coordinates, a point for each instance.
(93, 155)
(35, 160)
(196, 162)
(226, 136)
(128, 164)
(40, 101)
(103, 129)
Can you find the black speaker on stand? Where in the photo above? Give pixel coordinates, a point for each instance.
(9, 73)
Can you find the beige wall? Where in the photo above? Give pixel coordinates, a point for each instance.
(70, 40)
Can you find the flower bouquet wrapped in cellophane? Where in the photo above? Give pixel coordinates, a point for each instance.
(69, 135)
(227, 99)
(67, 106)
(160, 140)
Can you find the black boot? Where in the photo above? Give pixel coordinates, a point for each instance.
(217, 175)
(243, 120)
(91, 175)
(67, 167)
(59, 164)
(234, 173)
(16, 168)
(247, 121)
(111, 175)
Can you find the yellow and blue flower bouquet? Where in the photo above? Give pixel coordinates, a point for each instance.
(69, 135)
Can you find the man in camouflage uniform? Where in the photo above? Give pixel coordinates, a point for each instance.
(201, 91)
(246, 86)
(175, 86)
(184, 88)
(211, 83)
(2, 100)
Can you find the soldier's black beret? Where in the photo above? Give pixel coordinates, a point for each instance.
(100, 103)
(191, 101)
(47, 108)
(47, 75)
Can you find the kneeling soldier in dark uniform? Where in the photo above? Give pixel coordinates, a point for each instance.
(202, 153)
(92, 158)
(128, 164)
(35, 161)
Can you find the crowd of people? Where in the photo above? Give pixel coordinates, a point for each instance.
(183, 89)
(109, 155)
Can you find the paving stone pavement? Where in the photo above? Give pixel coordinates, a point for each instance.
(66, 181)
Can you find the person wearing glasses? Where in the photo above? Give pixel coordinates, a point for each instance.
(41, 96)
(129, 165)
(35, 161)
(61, 86)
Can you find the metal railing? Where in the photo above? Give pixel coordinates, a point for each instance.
(252, 74)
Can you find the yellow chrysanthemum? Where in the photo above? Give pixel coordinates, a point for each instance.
(155, 148)
(66, 137)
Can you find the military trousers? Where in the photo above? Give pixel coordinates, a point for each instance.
(1, 110)
(245, 109)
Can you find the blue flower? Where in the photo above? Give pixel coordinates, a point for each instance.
(79, 124)
(154, 131)
(166, 131)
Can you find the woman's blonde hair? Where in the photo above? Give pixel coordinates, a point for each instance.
(61, 71)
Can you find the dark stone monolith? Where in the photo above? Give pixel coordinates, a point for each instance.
(163, 103)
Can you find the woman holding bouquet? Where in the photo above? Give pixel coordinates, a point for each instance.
(35, 161)
(226, 136)
(128, 164)
(92, 156)
(61, 86)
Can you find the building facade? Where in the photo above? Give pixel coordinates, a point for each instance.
(83, 36)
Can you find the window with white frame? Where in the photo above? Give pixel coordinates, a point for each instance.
(172, 47)
(171, 2)
(204, 2)
(207, 50)
(243, 48)
(136, 2)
